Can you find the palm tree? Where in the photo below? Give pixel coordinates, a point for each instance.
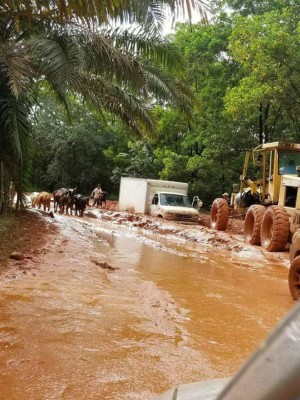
(143, 12)
(109, 69)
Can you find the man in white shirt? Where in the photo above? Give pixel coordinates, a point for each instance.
(96, 193)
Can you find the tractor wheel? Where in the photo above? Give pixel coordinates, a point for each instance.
(294, 278)
(219, 214)
(275, 229)
(253, 222)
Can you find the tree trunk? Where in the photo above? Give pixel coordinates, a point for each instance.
(1, 187)
(261, 125)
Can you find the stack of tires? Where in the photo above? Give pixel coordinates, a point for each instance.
(268, 227)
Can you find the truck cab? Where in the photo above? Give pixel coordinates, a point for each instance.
(159, 198)
(173, 206)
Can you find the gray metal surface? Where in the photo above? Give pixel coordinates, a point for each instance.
(273, 372)
(206, 390)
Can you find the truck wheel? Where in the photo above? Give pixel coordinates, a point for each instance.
(275, 229)
(253, 222)
(219, 214)
(294, 278)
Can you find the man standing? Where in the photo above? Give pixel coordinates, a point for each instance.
(226, 197)
(96, 193)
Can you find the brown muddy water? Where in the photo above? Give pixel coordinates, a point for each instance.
(168, 312)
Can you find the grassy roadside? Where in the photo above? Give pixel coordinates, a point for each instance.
(8, 230)
(26, 232)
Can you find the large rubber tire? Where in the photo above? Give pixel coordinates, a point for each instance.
(275, 229)
(294, 278)
(253, 222)
(219, 214)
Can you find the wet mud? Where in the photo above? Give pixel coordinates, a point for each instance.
(119, 306)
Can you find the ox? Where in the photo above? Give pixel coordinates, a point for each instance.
(33, 197)
(64, 198)
(101, 199)
(43, 199)
(80, 204)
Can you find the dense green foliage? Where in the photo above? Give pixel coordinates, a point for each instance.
(243, 68)
(114, 71)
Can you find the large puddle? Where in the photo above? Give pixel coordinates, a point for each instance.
(167, 313)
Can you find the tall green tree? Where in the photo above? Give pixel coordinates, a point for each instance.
(214, 142)
(254, 7)
(80, 154)
(267, 47)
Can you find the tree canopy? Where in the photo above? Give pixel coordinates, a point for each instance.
(184, 107)
(64, 47)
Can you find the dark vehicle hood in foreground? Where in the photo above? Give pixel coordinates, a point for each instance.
(271, 373)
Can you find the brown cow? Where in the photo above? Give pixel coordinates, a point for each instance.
(34, 197)
(43, 199)
(57, 195)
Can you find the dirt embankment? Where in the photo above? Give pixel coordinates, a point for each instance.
(29, 233)
(25, 234)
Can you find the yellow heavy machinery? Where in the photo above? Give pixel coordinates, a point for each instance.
(272, 203)
(272, 200)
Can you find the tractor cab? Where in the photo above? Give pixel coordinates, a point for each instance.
(278, 179)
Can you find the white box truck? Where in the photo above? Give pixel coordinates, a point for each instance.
(158, 198)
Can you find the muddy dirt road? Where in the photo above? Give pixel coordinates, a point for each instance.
(111, 310)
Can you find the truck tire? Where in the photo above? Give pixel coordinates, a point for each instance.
(294, 278)
(219, 214)
(275, 229)
(253, 222)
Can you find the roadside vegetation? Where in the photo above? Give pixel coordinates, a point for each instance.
(133, 103)
(26, 235)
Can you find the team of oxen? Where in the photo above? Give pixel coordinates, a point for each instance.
(64, 201)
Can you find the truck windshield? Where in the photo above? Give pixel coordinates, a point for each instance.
(288, 160)
(169, 199)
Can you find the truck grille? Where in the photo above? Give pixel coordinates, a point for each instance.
(183, 217)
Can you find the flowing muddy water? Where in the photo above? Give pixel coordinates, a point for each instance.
(110, 313)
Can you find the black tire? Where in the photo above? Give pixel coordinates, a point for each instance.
(219, 214)
(275, 229)
(253, 222)
(294, 279)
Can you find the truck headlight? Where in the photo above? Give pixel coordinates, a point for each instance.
(169, 215)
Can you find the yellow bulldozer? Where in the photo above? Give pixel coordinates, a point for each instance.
(271, 202)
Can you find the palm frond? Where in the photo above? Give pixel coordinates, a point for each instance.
(144, 45)
(16, 66)
(168, 89)
(57, 57)
(15, 125)
(130, 109)
(103, 58)
(145, 12)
